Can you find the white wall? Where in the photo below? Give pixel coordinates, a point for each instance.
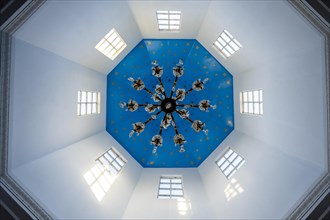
(145, 205)
(57, 181)
(283, 55)
(43, 108)
(73, 28)
(267, 185)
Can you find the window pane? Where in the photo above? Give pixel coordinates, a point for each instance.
(78, 109)
(83, 109)
(89, 97)
(250, 96)
(165, 180)
(164, 192)
(261, 108)
(220, 161)
(222, 42)
(176, 180)
(176, 17)
(229, 152)
(83, 96)
(162, 16)
(228, 170)
(260, 95)
(225, 37)
(120, 161)
(89, 108)
(112, 154)
(94, 108)
(251, 108)
(256, 108)
(225, 52)
(234, 46)
(79, 96)
(245, 108)
(256, 96)
(245, 96)
(177, 192)
(176, 186)
(232, 157)
(224, 166)
(237, 161)
(218, 45)
(109, 158)
(163, 26)
(164, 186)
(231, 51)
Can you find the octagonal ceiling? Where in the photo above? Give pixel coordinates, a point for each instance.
(198, 63)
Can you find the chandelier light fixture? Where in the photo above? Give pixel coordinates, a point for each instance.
(169, 105)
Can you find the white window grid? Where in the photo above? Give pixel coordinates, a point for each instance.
(226, 44)
(169, 20)
(170, 187)
(111, 161)
(252, 102)
(88, 103)
(111, 45)
(229, 163)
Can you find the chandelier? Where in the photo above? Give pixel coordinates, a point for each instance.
(169, 105)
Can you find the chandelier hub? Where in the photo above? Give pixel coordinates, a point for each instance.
(168, 105)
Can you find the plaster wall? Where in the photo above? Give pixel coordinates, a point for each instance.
(266, 186)
(43, 107)
(145, 205)
(57, 181)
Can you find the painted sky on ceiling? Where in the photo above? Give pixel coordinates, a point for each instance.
(198, 63)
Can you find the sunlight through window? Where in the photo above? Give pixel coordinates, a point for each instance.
(233, 189)
(252, 102)
(101, 176)
(229, 163)
(183, 206)
(111, 45)
(88, 103)
(226, 44)
(168, 20)
(170, 187)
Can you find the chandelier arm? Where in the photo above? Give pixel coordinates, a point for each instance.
(144, 105)
(173, 86)
(188, 91)
(174, 124)
(152, 117)
(161, 83)
(148, 91)
(188, 105)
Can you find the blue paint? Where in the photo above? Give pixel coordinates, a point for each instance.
(198, 63)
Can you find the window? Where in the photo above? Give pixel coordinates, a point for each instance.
(111, 45)
(101, 176)
(252, 102)
(169, 20)
(88, 103)
(226, 44)
(230, 162)
(111, 161)
(170, 187)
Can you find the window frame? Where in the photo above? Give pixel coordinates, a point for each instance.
(169, 22)
(230, 162)
(86, 103)
(114, 154)
(252, 102)
(226, 44)
(110, 50)
(170, 195)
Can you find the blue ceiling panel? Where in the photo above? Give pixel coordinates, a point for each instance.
(198, 63)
